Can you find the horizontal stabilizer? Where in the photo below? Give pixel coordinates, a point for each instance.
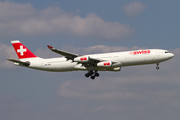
(20, 62)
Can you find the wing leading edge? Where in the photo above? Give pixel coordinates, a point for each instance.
(67, 55)
(71, 56)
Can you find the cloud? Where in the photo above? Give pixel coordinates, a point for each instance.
(121, 87)
(6, 52)
(99, 90)
(125, 94)
(94, 49)
(133, 9)
(24, 19)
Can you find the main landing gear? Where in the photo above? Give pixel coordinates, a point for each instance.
(157, 67)
(92, 74)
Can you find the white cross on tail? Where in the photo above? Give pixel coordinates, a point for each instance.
(21, 50)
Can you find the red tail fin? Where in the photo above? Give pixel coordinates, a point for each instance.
(21, 50)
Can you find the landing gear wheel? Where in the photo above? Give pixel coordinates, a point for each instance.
(92, 73)
(87, 74)
(157, 68)
(92, 77)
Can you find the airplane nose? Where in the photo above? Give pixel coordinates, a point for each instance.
(172, 55)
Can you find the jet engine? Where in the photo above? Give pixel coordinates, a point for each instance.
(82, 59)
(105, 64)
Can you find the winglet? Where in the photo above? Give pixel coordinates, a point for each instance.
(50, 47)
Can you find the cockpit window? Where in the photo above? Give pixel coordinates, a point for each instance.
(166, 51)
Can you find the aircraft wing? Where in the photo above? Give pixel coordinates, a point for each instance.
(71, 55)
(20, 62)
(63, 53)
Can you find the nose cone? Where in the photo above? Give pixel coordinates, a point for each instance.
(171, 55)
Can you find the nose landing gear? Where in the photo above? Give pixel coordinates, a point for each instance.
(157, 67)
(92, 74)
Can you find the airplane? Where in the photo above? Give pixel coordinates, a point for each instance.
(91, 63)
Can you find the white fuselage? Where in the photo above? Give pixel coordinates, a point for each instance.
(121, 59)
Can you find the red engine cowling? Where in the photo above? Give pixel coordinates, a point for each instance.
(82, 59)
(105, 64)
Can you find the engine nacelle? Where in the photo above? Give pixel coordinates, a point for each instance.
(82, 59)
(105, 64)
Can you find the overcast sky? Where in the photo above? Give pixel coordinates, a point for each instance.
(83, 27)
